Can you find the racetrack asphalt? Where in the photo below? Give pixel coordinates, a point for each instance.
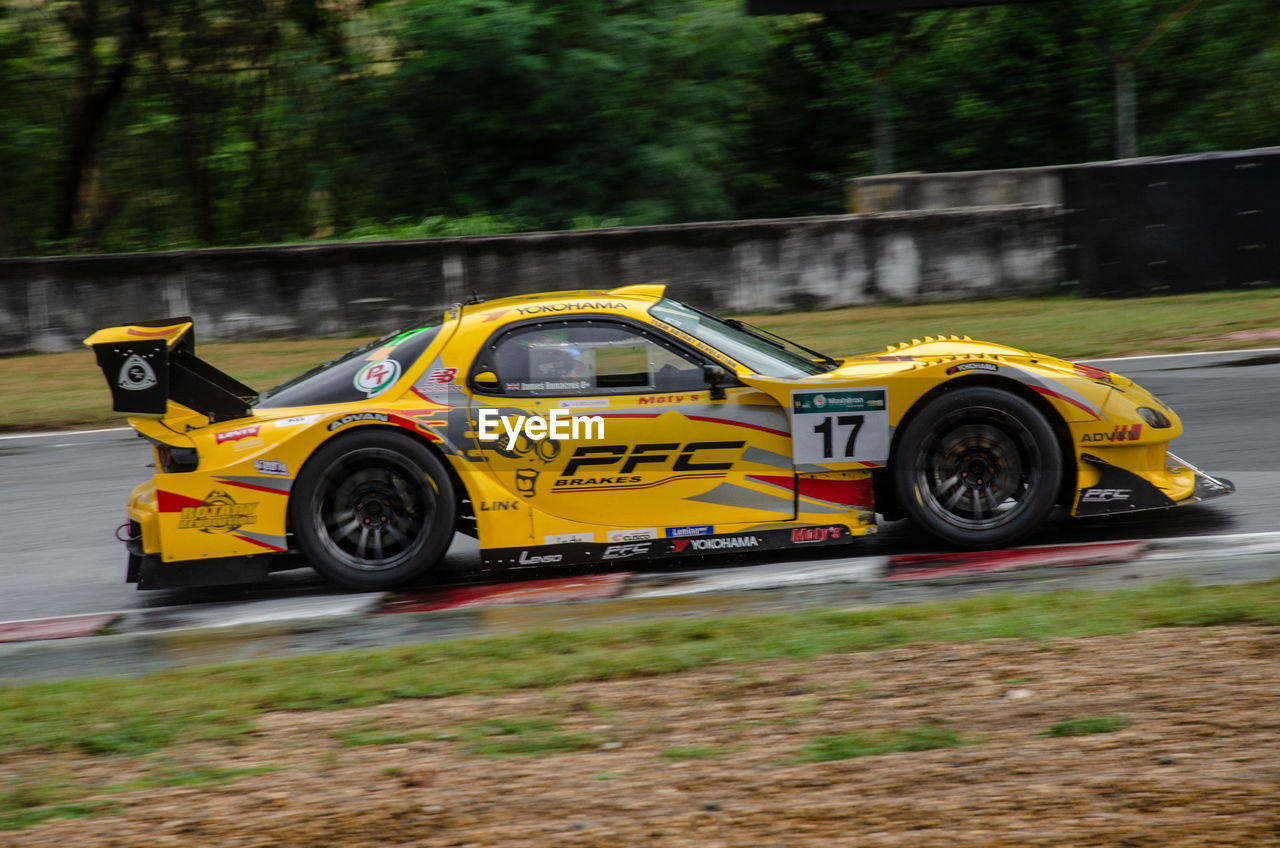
(64, 495)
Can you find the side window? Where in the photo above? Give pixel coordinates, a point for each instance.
(588, 358)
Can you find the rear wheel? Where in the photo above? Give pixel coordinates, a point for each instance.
(978, 468)
(373, 510)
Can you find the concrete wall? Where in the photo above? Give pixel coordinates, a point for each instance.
(50, 304)
(916, 191)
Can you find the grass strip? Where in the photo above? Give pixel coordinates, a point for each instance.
(69, 810)
(1087, 726)
(848, 746)
(66, 389)
(133, 716)
(29, 799)
(700, 752)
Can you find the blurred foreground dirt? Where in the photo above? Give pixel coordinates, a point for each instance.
(1197, 765)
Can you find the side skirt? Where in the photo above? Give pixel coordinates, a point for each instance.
(792, 538)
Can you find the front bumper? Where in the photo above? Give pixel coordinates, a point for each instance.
(1119, 490)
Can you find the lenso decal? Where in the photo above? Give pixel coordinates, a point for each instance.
(376, 377)
(538, 559)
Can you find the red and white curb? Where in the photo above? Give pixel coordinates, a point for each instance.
(62, 627)
(754, 577)
(1015, 559)
(591, 587)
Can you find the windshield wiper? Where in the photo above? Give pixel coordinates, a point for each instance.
(778, 341)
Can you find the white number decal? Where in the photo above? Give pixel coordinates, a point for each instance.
(834, 427)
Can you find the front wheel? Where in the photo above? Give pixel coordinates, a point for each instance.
(373, 510)
(978, 467)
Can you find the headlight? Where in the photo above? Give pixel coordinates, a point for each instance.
(1154, 417)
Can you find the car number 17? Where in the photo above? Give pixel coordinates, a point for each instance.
(840, 427)
(853, 422)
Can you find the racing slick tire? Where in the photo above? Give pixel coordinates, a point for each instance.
(978, 467)
(373, 510)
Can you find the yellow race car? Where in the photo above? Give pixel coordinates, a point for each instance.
(602, 426)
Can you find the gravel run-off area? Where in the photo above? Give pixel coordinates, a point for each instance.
(714, 758)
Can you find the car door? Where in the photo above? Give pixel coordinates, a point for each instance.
(641, 443)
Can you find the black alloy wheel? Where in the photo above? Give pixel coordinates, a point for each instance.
(373, 509)
(978, 467)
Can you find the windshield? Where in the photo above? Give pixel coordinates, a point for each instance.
(768, 357)
(365, 372)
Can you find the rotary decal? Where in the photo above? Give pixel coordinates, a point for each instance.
(136, 374)
(217, 513)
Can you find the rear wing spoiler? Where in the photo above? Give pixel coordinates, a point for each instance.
(151, 363)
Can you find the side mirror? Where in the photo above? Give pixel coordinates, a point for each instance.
(715, 377)
(486, 380)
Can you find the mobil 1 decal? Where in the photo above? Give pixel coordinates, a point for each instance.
(840, 426)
